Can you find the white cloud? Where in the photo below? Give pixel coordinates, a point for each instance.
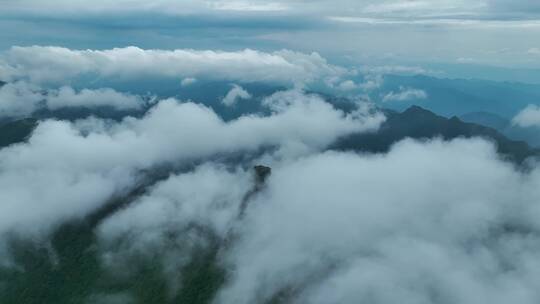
(458, 222)
(436, 217)
(534, 51)
(60, 65)
(465, 60)
(188, 81)
(528, 117)
(405, 24)
(426, 218)
(347, 85)
(399, 70)
(20, 99)
(405, 94)
(421, 7)
(66, 97)
(249, 6)
(441, 22)
(392, 8)
(68, 169)
(183, 7)
(210, 195)
(337, 83)
(236, 93)
(372, 82)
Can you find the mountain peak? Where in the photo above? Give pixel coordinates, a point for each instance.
(455, 119)
(261, 173)
(416, 109)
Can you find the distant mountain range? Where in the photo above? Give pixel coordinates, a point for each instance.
(486, 119)
(456, 97)
(419, 123)
(530, 134)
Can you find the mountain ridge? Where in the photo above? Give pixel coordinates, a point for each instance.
(418, 123)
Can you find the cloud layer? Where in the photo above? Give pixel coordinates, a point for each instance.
(415, 8)
(528, 117)
(60, 65)
(96, 159)
(434, 221)
(407, 27)
(458, 225)
(405, 94)
(22, 99)
(431, 221)
(236, 93)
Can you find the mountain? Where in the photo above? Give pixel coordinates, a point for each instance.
(16, 131)
(456, 97)
(419, 123)
(531, 135)
(486, 119)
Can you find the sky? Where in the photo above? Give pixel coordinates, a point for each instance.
(408, 32)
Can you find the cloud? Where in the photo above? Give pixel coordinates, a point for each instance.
(405, 94)
(372, 82)
(347, 85)
(435, 220)
(184, 7)
(388, 8)
(399, 70)
(339, 84)
(173, 222)
(444, 22)
(66, 97)
(465, 60)
(420, 7)
(236, 93)
(48, 65)
(19, 99)
(73, 168)
(210, 196)
(528, 117)
(344, 237)
(534, 51)
(246, 6)
(188, 81)
(22, 99)
(267, 25)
